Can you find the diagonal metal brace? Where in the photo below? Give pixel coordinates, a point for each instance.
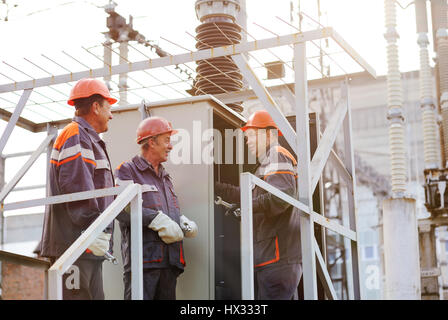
(326, 144)
(14, 118)
(11, 184)
(323, 273)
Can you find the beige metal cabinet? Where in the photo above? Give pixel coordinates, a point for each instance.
(195, 118)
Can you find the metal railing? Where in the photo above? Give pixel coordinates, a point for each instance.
(129, 194)
(247, 180)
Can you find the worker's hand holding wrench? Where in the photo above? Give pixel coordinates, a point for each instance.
(100, 247)
(232, 208)
(188, 226)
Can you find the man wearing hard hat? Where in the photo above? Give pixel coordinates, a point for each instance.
(277, 257)
(79, 162)
(165, 227)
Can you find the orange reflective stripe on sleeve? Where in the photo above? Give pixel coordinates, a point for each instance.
(287, 154)
(89, 161)
(70, 130)
(58, 163)
(119, 166)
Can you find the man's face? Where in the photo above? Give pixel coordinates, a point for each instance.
(161, 147)
(256, 141)
(104, 114)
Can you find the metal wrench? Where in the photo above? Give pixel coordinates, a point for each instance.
(236, 212)
(110, 258)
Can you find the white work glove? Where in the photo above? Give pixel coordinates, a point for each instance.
(168, 230)
(188, 226)
(100, 245)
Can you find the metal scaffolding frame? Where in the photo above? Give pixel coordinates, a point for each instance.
(129, 194)
(192, 56)
(309, 174)
(309, 171)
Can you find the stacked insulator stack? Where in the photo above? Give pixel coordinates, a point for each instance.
(217, 28)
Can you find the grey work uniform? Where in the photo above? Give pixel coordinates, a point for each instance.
(277, 254)
(162, 263)
(79, 162)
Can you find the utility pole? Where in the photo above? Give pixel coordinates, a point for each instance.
(122, 33)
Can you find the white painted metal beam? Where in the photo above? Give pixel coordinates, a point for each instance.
(11, 184)
(351, 246)
(13, 120)
(170, 60)
(326, 144)
(54, 285)
(136, 246)
(304, 171)
(247, 257)
(318, 218)
(340, 167)
(352, 52)
(190, 57)
(324, 275)
(78, 196)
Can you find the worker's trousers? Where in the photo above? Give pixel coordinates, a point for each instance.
(83, 280)
(277, 282)
(158, 284)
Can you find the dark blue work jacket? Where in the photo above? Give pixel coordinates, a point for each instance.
(276, 223)
(158, 195)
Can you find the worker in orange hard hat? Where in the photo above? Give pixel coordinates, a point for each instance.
(277, 255)
(163, 254)
(260, 119)
(79, 162)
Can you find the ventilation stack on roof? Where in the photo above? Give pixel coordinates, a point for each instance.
(217, 28)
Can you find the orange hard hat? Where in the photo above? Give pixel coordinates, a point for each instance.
(86, 87)
(260, 119)
(153, 126)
